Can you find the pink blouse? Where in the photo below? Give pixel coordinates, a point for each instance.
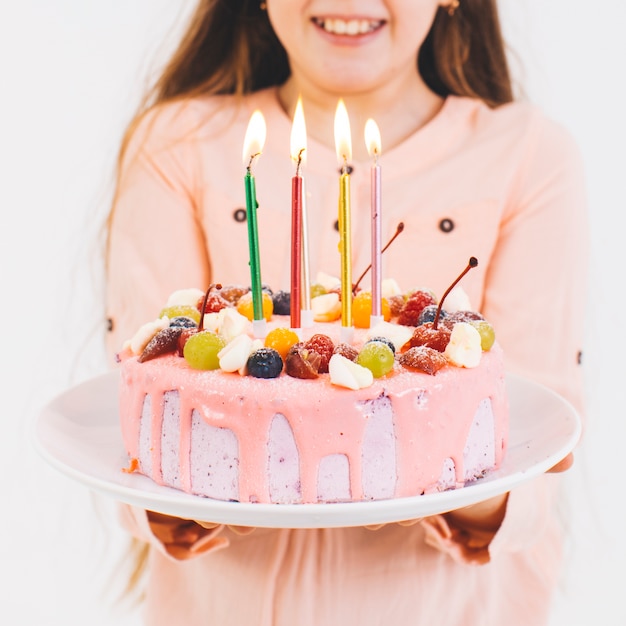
(502, 185)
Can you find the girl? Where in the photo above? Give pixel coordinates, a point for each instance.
(468, 171)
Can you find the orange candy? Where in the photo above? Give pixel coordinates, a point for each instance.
(245, 306)
(281, 339)
(362, 309)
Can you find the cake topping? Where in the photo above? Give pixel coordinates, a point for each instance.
(302, 362)
(324, 346)
(377, 357)
(222, 338)
(464, 348)
(265, 363)
(326, 308)
(201, 350)
(234, 355)
(424, 359)
(141, 338)
(346, 373)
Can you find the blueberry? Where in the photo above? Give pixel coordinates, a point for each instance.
(428, 314)
(384, 340)
(265, 363)
(183, 322)
(282, 302)
(265, 288)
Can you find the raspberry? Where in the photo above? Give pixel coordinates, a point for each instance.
(417, 301)
(424, 359)
(324, 346)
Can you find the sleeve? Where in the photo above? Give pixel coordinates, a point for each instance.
(178, 539)
(539, 272)
(536, 286)
(156, 243)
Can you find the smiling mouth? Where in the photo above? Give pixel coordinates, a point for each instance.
(349, 28)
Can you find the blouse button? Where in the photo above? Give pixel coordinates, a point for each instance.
(446, 225)
(110, 324)
(239, 215)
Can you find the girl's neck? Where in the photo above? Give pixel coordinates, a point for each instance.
(400, 109)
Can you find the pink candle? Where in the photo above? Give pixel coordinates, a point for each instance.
(372, 140)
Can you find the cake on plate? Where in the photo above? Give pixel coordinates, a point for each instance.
(415, 404)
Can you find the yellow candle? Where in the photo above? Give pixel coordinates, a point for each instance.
(344, 155)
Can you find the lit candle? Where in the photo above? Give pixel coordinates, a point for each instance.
(298, 150)
(252, 148)
(343, 146)
(373, 143)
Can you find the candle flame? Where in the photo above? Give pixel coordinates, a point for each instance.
(372, 138)
(298, 134)
(255, 138)
(343, 141)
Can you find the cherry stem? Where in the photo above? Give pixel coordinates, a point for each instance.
(204, 301)
(473, 262)
(399, 229)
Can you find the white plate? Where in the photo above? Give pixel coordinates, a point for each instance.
(79, 434)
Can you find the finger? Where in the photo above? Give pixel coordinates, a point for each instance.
(374, 526)
(242, 530)
(207, 525)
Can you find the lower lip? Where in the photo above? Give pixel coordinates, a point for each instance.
(348, 40)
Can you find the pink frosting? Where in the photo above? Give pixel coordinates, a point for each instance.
(433, 418)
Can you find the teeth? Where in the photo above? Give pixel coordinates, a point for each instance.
(355, 27)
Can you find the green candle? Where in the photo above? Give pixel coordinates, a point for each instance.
(253, 244)
(252, 148)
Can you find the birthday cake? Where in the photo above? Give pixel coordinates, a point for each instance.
(415, 404)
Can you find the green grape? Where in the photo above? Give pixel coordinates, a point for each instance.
(377, 357)
(201, 350)
(486, 332)
(181, 311)
(317, 290)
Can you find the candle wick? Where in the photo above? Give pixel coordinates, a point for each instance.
(252, 157)
(299, 163)
(375, 156)
(344, 167)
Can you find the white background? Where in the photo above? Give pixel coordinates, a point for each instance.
(71, 74)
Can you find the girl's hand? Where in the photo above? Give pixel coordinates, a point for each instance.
(238, 530)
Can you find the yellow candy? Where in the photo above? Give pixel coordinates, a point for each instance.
(245, 306)
(281, 339)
